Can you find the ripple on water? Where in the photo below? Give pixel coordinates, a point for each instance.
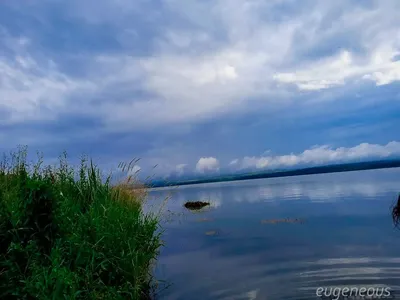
(341, 244)
(289, 280)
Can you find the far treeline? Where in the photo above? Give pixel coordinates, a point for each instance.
(347, 167)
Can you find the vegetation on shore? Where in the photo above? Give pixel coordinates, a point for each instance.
(68, 234)
(396, 212)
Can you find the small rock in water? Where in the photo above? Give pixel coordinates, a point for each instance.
(195, 205)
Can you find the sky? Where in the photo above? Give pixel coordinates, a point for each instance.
(201, 86)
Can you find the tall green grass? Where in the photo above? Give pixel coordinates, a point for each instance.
(68, 234)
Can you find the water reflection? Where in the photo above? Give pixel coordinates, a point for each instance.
(347, 240)
(328, 188)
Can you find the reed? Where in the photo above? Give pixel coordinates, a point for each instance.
(67, 234)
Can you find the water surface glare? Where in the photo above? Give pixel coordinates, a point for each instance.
(227, 252)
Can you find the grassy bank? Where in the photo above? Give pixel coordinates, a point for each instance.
(68, 234)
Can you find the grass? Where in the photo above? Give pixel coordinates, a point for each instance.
(68, 234)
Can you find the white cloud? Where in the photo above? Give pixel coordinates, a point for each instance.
(234, 162)
(380, 44)
(221, 57)
(194, 76)
(334, 71)
(206, 164)
(323, 155)
(180, 169)
(32, 88)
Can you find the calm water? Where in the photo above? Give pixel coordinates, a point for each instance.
(225, 252)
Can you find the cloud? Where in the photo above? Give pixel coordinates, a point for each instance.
(325, 154)
(334, 71)
(32, 88)
(371, 55)
(234, 162)
(104, 77)
(193, 71)
(180, 169)
(207, 164)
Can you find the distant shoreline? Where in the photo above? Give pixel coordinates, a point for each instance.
(348, 167)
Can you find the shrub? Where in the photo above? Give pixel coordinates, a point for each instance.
(71, 235)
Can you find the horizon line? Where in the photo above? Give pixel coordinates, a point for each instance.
(310, 170)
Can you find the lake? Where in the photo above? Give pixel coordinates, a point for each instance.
(227, 252)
